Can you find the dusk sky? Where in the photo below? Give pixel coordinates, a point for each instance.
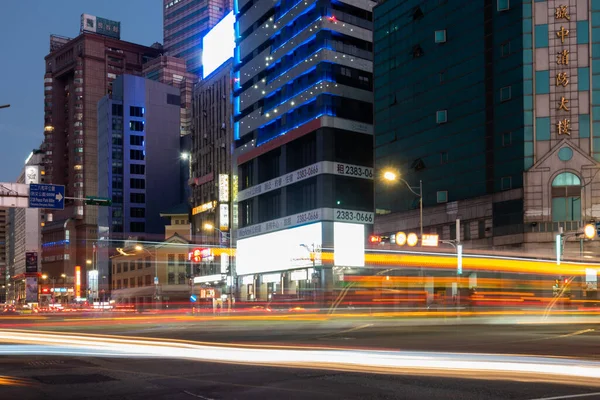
(25, 28)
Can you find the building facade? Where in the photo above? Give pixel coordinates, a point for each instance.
(211, 155)
(496, 120)
(139, 161)
(4, 253)
(185, 22)
(303, 175)
(172, 71)
(79, 72)
(26, 233)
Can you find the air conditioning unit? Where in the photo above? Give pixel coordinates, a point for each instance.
(223, 145)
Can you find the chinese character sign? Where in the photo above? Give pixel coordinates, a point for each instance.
(563, 125)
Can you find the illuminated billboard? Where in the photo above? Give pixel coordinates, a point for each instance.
(218, 45)
(348, 244)
(278, 251)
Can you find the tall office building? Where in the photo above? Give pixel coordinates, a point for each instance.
(185, 22)
(303, 129)
(491, 105)
(139, 162)
(79, 72)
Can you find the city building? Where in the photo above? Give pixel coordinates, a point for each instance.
(185, 22)
(139, 161)
(25, 236)
(211, 155)
(491, 106)
(303, 160)
(79, 72)
(172, 71)
(4, 253)
(156, 275)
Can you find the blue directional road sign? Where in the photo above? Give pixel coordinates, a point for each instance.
(193, 298)
(47, 196)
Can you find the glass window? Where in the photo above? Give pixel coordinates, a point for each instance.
(441, 116)
(442, 196)
(541, 35)
(506, 139)
(566, 179)
(505, 49)
(505, 183)
(503, 5)
(440, 36)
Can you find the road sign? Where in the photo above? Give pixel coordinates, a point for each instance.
(47, 196)
(193, 298)
(598, 229)
(459, 254)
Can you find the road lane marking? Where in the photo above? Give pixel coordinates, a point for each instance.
(571, 396)
(197, 395)
(581, 332)
(356, 328)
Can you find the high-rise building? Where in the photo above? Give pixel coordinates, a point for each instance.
(25, 234)
(79, 72)
(491, 105)
(211, 155)
(303, 129)
(185, 22)
(172, 71)
(139, 162)
(4, 233)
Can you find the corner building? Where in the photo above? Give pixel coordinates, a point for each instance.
(303, 176)
(498, 119)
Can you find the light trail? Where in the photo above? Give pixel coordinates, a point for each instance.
(464, 365)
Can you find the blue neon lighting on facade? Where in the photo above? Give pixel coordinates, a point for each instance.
(323, 114)
(297, 33)
(57, 243)
(300, 62)
(310, 87)
(236, 131)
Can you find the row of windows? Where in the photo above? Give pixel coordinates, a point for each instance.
(137, 169)
(131, 265)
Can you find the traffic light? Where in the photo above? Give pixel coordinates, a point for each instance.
(98, 201)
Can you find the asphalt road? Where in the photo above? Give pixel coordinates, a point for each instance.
(118, 378)
(107, 378)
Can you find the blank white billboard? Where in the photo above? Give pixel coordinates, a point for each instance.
(218, 45)
(278, 251)
(348, 244)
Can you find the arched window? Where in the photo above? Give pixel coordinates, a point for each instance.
(566, 197)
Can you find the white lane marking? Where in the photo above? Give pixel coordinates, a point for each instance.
(578, 332)
(197, 395)
(569, 396)
(356, 328)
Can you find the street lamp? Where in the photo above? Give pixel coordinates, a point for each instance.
(5, 106)
(210, 227)
(393, 177)
(185, 156)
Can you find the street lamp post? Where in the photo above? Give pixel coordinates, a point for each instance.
(4, 105)
(392, 177)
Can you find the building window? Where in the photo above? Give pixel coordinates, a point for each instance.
(137, 198)
(481, 229)
(173, 99)
(135, 183)
(505, 93)
(418, 51)
(506, 139)
(506, 183)
(136, 155)
(148, 262)
(137, 212)
(566, 198)
(137, 126)
(136, 111)
(441, 116)
(137, 169)
(136, 140)
(503, 5)
(467, 231)
(442, 196)
(444, 157)
(117, 110)
(440, 36)
(137, 227)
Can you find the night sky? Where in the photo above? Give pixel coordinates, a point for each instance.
(25, 28)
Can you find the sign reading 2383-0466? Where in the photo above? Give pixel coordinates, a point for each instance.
(354, 216)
